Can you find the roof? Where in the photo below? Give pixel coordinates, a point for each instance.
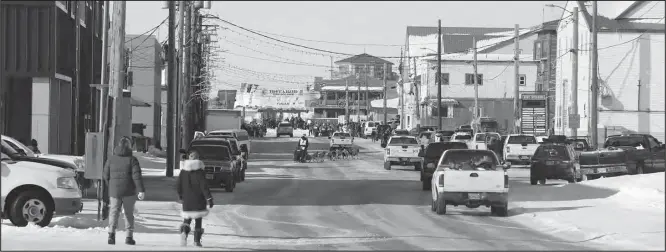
(454, 39)
(364, 59)
(610, 24)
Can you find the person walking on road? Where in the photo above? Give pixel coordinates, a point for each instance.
(124, 184)
(194, 193)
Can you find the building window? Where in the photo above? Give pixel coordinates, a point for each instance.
(522, 80)
(447, 111)
(469, 79)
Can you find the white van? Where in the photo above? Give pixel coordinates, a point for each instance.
(368, 128)
(34, 192)
(241, 135)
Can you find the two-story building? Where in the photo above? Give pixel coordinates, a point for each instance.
(145, 64)
(362, 78)
(38, 77)
(495, 48)
(630, 68)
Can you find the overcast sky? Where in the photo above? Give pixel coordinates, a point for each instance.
(378, 23)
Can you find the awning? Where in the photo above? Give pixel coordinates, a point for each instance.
(445, 101)
(138, 103)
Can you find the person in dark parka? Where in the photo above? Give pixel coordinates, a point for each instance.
(124, 184)
(195, 195)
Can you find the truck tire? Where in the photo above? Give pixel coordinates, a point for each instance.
(36, 206)
(417, 166)
(387, 165)
(640, 168)
(425, 186)
(440, 206)
(433, 205)
(502, 211)
(533, 180)
(229, 185)
(542, 181)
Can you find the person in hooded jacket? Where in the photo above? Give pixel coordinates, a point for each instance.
(194, 193)
(124, 184)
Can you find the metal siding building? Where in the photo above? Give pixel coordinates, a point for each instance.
(146, 67)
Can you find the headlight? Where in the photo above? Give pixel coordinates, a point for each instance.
(67, 183)
(80, 164)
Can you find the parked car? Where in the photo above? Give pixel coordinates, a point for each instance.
(237, 153)
(285, 128)
(628, 153)
(35, 192)
(340, 140)
(402, 150)
(431, 157)
(219, 165)
(368, 128)
(555, 161)
(519, 148)
(234, 152)
(472, 178)
(481, 140)
(241, 136)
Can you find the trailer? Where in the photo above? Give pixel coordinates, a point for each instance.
(223, 119)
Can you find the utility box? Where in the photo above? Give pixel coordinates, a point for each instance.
(94, 155)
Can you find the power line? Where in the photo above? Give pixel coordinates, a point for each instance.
(277, 61)
(153, 32)
(152, 29)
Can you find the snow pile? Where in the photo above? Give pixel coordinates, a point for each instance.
(632, 218)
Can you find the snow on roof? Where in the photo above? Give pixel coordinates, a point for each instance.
(390, 103)
(502, 36)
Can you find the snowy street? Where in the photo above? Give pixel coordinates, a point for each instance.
(357, 205)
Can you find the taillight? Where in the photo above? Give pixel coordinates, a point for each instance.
(506, 180)
(388, 151)
(441, 180)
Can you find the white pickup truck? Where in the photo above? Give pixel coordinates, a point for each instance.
(402, 150)
(471, 178)
(341, 140)
(519, 148)
(481, 140)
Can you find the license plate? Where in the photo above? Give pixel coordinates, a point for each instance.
(550, 162)
(210, 176)
(474, 196)
(402, 160)
(601, 170)
(524, 157)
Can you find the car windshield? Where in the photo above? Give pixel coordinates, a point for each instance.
(435, 150)
(403, 141)
(470, 160)
(579, 144)
(426, 134)
(220, 134)
(401, 132)
(631, 141)
(551, 151)
(480, 137)
(8, 149)
(19, 146)
(341, 134)
(462, 137)
(212, 152)
(285, 125)
(223, 143)
(522, 139)
(371, 124)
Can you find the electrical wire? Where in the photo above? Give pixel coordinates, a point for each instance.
(150, 30)
(277, 61)
(151, 33)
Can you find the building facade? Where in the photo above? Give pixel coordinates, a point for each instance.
(631, 62)
(41, 95)
(145, 66)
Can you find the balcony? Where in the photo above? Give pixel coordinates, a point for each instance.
(337, 104)
(378, 75)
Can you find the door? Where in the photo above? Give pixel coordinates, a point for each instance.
(657, 152)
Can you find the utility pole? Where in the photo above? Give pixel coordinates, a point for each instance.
(417, 113)
(358, 98)
(172, 84)
(187, 70)
(367, 99)
(439, 74)
(117, 66)
(181, 81)
(594, 89)
(402, 95)
(574, 77)
(476, 89)
(385, 112)
(516, 86)
(77, 91)
(347, 100)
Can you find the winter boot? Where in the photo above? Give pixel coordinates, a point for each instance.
(112, 239)
(197, 237)
(184, 232)
(130, 241)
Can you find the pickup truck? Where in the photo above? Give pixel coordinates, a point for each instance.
(402, 150)
(340, 140)
(481, 140)
(431, 155)
(471, 178)
(519, 148)
(621, 154)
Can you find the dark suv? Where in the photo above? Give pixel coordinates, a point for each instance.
(238, 153)
(431, 157)
(218, 164)
(554, 161)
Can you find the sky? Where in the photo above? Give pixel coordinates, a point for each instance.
(376, 28)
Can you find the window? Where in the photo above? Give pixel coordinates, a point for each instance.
(537, 50)
(522, 80)
(445, 78)
(469, 79)
(447, 111)
(654, 143)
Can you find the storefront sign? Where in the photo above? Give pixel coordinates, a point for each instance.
(280, 99)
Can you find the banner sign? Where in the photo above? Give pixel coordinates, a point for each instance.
(251, 96)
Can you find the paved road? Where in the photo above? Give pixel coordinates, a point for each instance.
(357, 205)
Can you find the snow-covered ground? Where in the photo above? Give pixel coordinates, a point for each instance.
(633, 218)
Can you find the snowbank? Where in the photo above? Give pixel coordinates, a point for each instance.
(632, 218)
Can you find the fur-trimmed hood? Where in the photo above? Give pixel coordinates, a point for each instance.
(192, 165)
